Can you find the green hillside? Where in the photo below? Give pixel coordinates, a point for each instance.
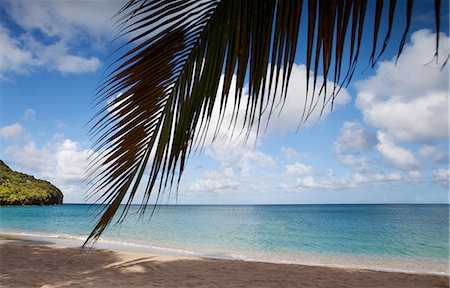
(22, 189)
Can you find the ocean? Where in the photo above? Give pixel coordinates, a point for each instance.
(409, 238)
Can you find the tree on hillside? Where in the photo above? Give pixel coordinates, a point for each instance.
(185, 57)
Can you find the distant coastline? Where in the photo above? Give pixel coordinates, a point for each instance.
(20, 189)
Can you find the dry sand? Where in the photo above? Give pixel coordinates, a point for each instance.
(37, 264)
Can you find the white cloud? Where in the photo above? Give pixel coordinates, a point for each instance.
(359, 163)
(11, 132)
(76, 64)
(61, 162)
(409, 100)
(29, 157)
(298, 169)
(352, 142)
(359, 178)
(12, 56)
(52, 35)
(292, 154)
(399, 156)
(300, 184)
(406, 102)
(25, 53)
(331, 182)
(308, 182)
(442, 175)
(71, 162)
(287, 120)
(246, 160)
(354, 139)
(394, 176)
(435, 153)
(64, 18)
(29, 114)
(414, 175)
(219, 182)
(238, 169)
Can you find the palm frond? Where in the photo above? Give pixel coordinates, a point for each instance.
(170, 78)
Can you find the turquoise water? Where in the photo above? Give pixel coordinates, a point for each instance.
(398, 233)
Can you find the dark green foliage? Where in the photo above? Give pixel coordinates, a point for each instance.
(22, 189)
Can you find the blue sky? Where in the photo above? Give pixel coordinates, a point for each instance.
(386, 140)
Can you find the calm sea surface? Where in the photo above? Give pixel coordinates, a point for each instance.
(398, 237)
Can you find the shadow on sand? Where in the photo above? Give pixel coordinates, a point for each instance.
(26, 264)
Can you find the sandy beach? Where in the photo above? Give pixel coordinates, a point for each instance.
(28, 263)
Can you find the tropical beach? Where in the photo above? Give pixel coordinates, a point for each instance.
(224, 143)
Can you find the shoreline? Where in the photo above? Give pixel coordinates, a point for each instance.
(324, 260)
(29, 262)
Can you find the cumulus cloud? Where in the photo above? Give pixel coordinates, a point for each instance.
(291, 153)
(298, 169)
(13, 57)
(238, 169)
(357, 162)
(76, 64)
(442, 175)
(354, 139)
(246, 160)
(357, 180)
(222, 181)
(414, 175)
(435, 153)
(407, 103)
(62, 161)
(56, 56)
(289, 117)
(399, 156)
(29, 157)
(408, 100)
(331, 182)
(308, 182)
(378, 177)
(285, 118)
(300, 184)
(11, 132)
(64, 18)
(50, 35)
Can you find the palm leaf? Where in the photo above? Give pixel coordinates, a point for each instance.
(170, 78)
